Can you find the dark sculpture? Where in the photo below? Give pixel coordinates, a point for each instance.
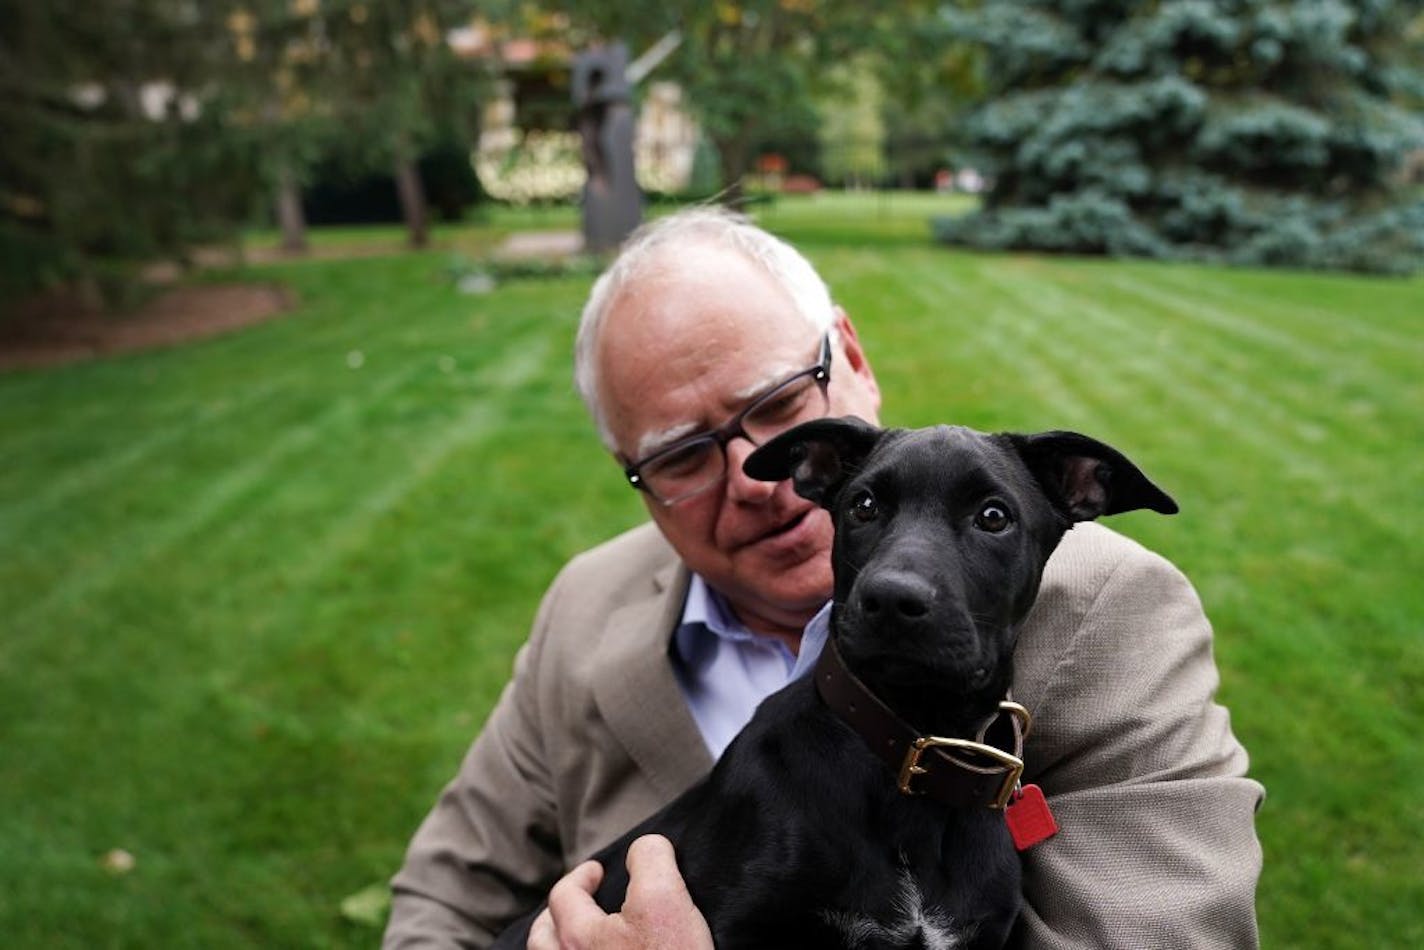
(612, 204)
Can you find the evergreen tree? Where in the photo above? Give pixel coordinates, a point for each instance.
(1256, 132)
(111, 150)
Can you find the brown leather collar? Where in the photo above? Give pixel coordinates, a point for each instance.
(960, 772)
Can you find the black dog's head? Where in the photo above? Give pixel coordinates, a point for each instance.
(941, 536)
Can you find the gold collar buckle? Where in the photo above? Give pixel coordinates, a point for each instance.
(911, 767)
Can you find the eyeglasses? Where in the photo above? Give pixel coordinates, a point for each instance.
(692, 465)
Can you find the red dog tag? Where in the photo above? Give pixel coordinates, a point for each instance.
(1029, 819)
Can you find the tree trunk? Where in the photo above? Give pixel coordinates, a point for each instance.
(289, 213)
(412, 201)
(732, 153)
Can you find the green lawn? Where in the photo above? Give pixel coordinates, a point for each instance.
(259, 592)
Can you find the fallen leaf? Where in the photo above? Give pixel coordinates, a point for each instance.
(118, 861)
(368, 906)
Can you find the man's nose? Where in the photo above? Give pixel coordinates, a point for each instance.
(741, 486)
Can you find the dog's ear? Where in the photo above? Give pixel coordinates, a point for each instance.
(817, 456)
(1086, 478)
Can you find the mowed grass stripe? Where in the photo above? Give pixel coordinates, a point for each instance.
(245, 484)
(1204, 372)
(425, 459)
(941, 337)
(1365, 383)
(1244, 325)
(1388, 322)
(1297, 413)
(115, 456)
(235, 488)
(1022, 355)
(1029, 329)
(1124, 368)
(1204, 375)
(304, 381)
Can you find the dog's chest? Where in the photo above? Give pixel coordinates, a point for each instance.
(908, 921)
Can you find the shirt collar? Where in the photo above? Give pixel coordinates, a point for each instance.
(705, 607)
(813, 641)
(706, 611)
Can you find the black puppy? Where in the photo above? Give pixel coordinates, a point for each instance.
(862, 807)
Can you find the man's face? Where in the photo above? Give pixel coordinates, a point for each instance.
(684, 348)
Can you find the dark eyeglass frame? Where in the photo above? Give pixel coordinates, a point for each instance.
(732, 428)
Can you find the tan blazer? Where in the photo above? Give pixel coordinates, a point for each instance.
(1157, 848)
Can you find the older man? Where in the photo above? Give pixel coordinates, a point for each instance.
(706, 336)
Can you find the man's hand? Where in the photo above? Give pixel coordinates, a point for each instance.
(657, 913)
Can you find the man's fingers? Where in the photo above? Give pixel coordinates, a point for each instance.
(571, 906)
(564, 910)
(542, 935)
(658, 907)
(657, 914)
(586, 877)
(652, 872)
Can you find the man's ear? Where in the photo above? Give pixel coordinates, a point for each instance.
(817, 456)
(1087, 478)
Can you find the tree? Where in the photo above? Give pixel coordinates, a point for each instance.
(1249, 131)
(928, 79)
(853, 128)
(367, 86)
(111, 152)
(396, 87)
(273, 80)
(135, 129)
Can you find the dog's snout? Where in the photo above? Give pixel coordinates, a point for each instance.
(896, 595)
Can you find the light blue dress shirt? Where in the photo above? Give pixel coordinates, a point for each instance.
(726, 670)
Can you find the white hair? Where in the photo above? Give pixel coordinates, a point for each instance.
(644, 252)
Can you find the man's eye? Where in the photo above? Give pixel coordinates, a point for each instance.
(683, 461)
(994, 517)
(779, 410)
(863, 507)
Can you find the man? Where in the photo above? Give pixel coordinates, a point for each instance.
(706, 336)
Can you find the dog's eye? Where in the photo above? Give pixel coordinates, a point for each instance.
(993, 518)
(863, 507)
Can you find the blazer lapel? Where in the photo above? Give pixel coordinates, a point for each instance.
(637, 691)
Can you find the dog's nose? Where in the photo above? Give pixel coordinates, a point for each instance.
(895, 595)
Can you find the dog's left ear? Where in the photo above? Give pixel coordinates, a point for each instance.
(817, 456)
(1087, 478)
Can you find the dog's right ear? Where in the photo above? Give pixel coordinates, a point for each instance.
(1086, 478)
(817, 456)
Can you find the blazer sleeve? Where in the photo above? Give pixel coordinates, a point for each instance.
(489, 848)
(1157, 846)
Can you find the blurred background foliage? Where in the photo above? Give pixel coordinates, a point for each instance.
(135, 129)
(1279, 132)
